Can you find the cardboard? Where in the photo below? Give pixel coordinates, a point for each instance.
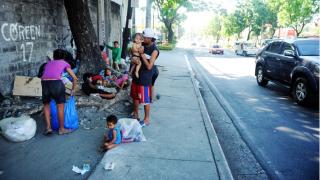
(27, 86)
(31, 86)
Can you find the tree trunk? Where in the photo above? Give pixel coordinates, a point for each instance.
(217, 38)
(170, 32)
(84, 35)
(126, 32)
(148, 13)
(273, 32)
(248, 37)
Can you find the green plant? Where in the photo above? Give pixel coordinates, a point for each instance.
(166, 47)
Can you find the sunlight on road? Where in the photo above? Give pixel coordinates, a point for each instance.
(228, 68)
(294, 133)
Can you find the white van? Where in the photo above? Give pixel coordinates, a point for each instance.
(245, 48)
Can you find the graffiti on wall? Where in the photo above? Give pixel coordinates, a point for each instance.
(19, 33)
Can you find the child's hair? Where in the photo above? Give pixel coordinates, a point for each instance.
(112, 118)
(115, 42)
(138, 34)
(59, 54)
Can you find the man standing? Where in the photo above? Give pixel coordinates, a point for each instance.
(141, 87)
(116, 54)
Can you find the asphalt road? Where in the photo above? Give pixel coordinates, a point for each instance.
(283, 136)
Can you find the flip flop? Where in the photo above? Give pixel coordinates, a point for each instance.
(142, 123)
(65, 131)
(47, 132)
(132, 117)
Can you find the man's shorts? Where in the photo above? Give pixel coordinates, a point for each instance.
(53, 89)
(141, 93)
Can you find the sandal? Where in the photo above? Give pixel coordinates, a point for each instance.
(143, 124)
(47, 132)
(65, 131)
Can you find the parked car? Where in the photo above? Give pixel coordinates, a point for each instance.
(266, 42)
(216, 49)
(245, 48)
(292, 63)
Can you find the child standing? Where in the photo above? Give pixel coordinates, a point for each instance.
(136, 46)
(113, 137)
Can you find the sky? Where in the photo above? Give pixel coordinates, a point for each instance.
(196, 21)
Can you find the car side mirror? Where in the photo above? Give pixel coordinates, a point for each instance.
(289, 53)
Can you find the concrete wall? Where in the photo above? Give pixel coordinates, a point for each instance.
(31, 28)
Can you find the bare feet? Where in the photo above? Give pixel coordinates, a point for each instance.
(108, 146)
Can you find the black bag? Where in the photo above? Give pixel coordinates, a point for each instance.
(41, 70)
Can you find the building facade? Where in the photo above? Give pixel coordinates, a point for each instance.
(31, 28)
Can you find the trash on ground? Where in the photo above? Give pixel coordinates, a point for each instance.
(18, 129)
(109, 166)
(131, 130)
(85, 168)
(27, 86)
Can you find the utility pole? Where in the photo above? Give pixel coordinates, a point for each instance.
(126, 32)
(148, 13)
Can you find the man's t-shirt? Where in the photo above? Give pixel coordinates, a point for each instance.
(54, 69)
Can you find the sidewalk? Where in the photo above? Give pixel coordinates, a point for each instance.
(181, 143)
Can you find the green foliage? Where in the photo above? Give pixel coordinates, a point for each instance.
(168, 13)
(166, 47)
(296, 13)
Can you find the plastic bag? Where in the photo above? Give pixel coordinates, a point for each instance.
(54, 115)
(71, 120)
(18, 129)
(131, 130)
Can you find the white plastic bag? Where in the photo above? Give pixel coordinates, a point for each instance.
(131, 130)
(18, 129)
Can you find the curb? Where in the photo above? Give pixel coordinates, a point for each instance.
(221, 163)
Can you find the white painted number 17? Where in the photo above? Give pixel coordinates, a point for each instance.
(23, 47)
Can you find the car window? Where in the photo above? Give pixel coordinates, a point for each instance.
(308, 48)
(287, 47)
(274, 47)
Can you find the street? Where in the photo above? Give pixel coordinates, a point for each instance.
(281, 136)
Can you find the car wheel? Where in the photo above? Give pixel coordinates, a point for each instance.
(245, 53)
(260, 77)
(301, 91)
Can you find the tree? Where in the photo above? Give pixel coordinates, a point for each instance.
(84, 35)
(297, 13)
(168, 14)
(126, 32)
(236, 23)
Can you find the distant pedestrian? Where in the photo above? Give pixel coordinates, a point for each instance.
(53, 88)
(113, 137)
(116, 55)
(141, 88)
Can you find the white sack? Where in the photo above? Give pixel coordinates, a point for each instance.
(18, 129)
(131, 130)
